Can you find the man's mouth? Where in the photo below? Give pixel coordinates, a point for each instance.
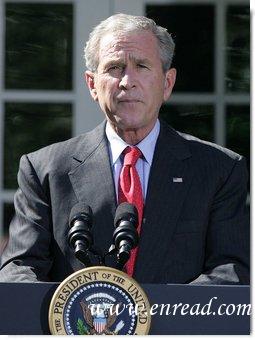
(129, 100)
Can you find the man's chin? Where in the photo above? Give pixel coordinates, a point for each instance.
(124, 122)
(127, 125)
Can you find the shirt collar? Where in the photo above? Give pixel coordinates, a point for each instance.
(147, 145)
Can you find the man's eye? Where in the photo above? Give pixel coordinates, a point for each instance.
(114, 67)
(142, 66)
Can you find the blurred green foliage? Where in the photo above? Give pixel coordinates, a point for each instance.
(238, 49)
(192, 119)
(39, 42)
(238, 130)
(28, 127)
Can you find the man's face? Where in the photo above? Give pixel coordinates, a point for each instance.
(129, 83)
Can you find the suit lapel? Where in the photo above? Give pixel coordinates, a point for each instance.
(170, 178)
(93, 184)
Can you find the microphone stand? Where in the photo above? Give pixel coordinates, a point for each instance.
(84, 256)
(120, 263)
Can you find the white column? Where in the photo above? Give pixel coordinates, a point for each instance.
(133, 7)
(220, 72)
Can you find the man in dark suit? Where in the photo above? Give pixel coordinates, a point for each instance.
(194, 227)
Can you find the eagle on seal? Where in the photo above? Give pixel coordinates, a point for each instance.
(101, 322)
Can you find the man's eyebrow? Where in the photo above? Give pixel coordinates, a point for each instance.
(122, 62)
(139, 60)
(118, 62)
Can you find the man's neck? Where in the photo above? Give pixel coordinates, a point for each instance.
(133, 136)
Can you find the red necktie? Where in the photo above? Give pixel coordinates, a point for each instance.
(130, 190)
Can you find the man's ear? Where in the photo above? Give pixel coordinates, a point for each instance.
(90, 80)
(169, 82)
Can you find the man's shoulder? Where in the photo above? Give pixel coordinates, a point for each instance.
(203, 155)
(196, 145)
(205, 147)
(60, 154)
(209, 157)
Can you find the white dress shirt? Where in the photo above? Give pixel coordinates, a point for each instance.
(143, 165)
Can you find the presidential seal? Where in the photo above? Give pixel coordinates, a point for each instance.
(99, 301)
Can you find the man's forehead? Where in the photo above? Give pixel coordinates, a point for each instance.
(112, 45)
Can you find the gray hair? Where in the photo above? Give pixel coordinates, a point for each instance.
(128, 23)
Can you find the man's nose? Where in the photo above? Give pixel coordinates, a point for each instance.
(128, 80)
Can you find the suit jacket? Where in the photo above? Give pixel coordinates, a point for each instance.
(194, 229)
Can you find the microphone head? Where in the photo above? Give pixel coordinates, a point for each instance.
(128, 212)
(81, 210)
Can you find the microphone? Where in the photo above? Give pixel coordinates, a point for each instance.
(79, 236)
(125, 236)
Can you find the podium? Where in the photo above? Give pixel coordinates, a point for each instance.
(24, 308)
